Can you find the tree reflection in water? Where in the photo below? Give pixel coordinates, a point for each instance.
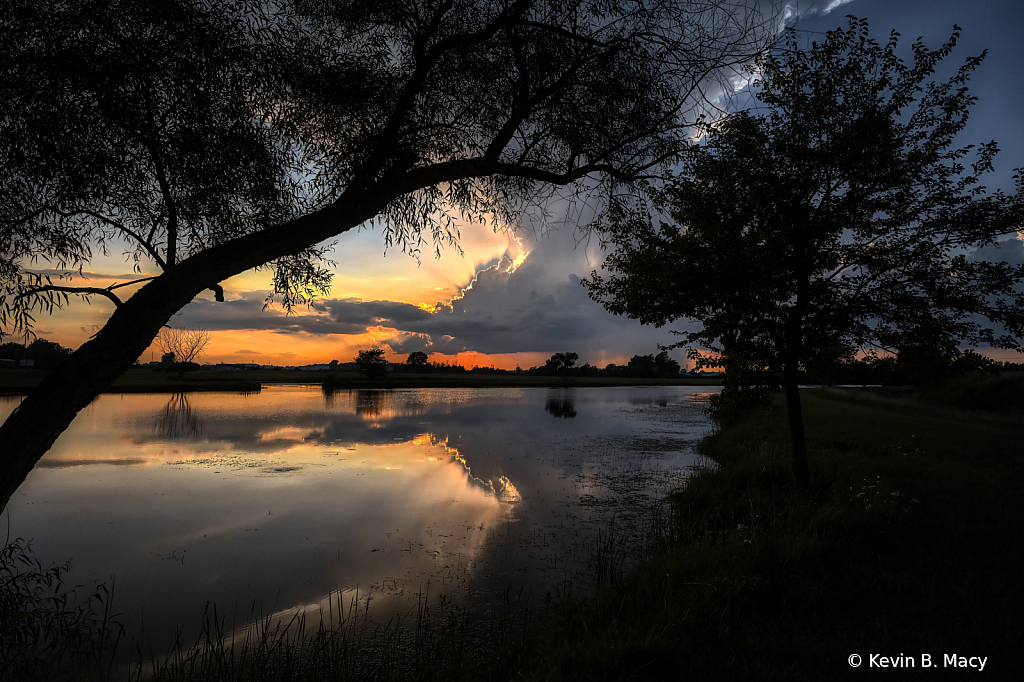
(560, 404)
(370, 404)
(178, 420)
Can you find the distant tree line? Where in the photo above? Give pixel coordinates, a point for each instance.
(43, 353)
(919, 366)
(914, 366)
(374, 365)
(639, 366)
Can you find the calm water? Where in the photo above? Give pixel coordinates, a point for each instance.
(277, 498)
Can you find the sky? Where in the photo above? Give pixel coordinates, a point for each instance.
(513, 299)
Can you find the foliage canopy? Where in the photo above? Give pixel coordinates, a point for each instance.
(417, 358)
(836, 215)
(372, 363)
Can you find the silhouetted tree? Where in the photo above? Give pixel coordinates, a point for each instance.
(837, 213)
(43, 353)
(664, 365)
(47, 354)
(372, 363)
(640, 366)
(213, 138)
(185, 346)
(417, 359)
(560, 364)
(12, 350)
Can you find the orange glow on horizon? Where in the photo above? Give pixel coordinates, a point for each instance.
(297, 349)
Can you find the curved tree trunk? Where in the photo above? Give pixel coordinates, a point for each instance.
(49, 408)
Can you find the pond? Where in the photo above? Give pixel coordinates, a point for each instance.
(271, 501)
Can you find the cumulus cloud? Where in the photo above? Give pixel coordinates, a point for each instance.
(539, 307)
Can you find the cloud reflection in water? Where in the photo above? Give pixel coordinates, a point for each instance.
(280, 497)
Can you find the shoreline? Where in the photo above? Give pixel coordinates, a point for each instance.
(21, 381)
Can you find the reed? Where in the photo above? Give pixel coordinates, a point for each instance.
(439, 641)
(47, 632)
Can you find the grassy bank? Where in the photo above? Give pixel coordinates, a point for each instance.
(909, 544)
(21, 381)
(352, 381)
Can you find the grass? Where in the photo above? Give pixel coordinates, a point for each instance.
(21, 381)
(909, 544)
(46, 633)
(342, 643)
(1000, 393)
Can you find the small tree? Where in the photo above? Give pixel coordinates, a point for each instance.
(561, 364)
(372, 363)
(838, 215)
(417, 359)
(185, 346)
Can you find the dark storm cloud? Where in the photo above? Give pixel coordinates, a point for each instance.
(365, 314)
(248, 313)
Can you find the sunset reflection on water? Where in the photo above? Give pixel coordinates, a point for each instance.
(281, 497)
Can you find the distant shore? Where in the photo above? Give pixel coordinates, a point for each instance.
(137, 380)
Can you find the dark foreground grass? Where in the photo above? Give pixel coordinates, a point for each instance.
(341, 643)
(909, 544)
(981, 391)
(47, 632)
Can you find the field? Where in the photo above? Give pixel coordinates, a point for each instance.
(20, 381)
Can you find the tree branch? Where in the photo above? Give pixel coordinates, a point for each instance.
(116, 225)
(80, 291)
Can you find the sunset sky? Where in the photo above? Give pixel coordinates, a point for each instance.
(514, 299)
